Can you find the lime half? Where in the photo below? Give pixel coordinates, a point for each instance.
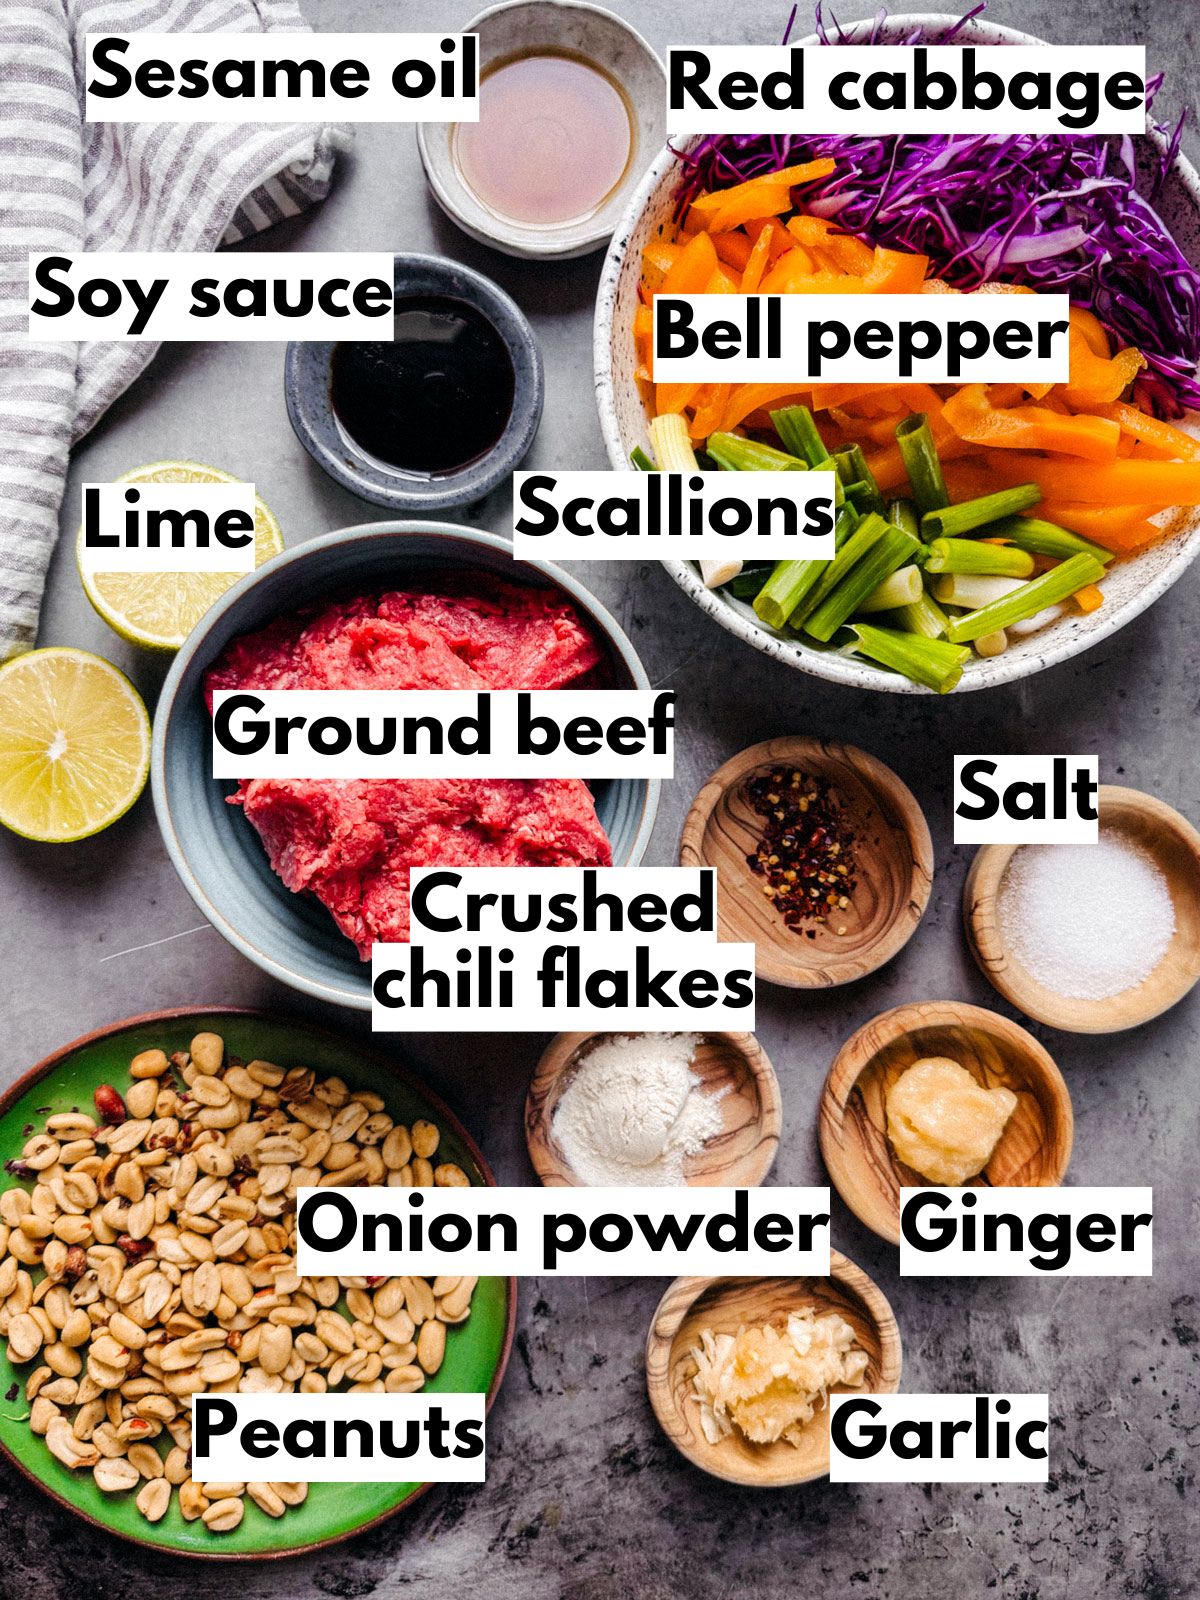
(74, 745)
(158, 610)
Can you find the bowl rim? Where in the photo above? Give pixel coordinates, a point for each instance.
(665, 1325)
(520, 240)
(378, 1058)
(1012, 980)
(168, 704)
(308, 413)
(832, 667)
(889, 792)
(895, 1023)
(544, 1092)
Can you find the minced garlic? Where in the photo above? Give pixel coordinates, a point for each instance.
(944, 1124)
(768, 1382)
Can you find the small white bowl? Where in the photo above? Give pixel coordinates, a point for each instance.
(516, 28)
(1133, 585)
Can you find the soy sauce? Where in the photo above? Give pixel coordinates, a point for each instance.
(435, 399)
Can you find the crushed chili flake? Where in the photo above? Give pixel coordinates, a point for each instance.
(806, 849)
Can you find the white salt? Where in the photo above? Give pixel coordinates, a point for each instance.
(1088, 920)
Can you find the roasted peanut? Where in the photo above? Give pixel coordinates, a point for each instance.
(153, 1499)
(431, 1346)
(267, 1498)
(114, 1474)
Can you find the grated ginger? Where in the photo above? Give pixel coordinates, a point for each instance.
(942, 1123)
(768, 1382)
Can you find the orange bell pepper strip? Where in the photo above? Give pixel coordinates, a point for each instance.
(913, 396)
(1132, 538)
(671, 398)
(1111, 483)
(781, 239)
(722, 282)
(1098, 380)
(658, 258)
(733, 249)
(702, 208)
(869, 430)
(745, 204)
(643, 329)
(1125, 538)
(1118, 528)
(708, 206)
(890, 472)
(788, 272)
(828, 395)
(843, 251)
(1174, 444)
(1089, 327)
(749, 397)
(887, 468)
(1088, 598)
(970, 478)
(758, 259)
(895, 272)
(793, 274)
(803, 172)
(710, 408)
(1005, 394)
(973, 417)
(693, 267)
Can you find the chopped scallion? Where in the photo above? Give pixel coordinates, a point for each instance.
(974, 555)
(950, 521)
(747, 455)
(1047, 590)
(933, 662)
(902, 588)
(919, 455)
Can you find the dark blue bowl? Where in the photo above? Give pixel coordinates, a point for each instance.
(306, 381)
(217, 853)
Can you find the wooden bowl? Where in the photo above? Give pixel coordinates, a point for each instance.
(727, 1304)
(892, 847)
(1174, 845)
(740, 1156)
(852, 1125)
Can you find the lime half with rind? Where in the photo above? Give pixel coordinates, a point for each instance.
(157, 610)
(74, 745)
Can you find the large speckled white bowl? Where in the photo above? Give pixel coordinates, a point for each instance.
(1129, 588)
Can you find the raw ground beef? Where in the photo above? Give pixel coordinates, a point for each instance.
(351, 843)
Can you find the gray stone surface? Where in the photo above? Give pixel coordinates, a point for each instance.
(584, 1498)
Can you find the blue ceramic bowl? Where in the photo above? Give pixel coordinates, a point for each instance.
(306, 385)
(216, 852)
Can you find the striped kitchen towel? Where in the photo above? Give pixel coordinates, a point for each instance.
(70, 185)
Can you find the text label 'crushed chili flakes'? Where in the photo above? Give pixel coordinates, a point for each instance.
(806, 850)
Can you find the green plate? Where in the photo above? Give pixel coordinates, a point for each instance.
(476, 1350)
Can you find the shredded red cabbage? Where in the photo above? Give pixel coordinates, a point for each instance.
(1056, 212)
